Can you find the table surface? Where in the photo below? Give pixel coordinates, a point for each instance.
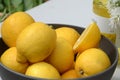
(74, 12)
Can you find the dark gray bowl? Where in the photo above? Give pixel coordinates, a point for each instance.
(105, 44)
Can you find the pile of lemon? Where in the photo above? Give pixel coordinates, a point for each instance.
(38, 50)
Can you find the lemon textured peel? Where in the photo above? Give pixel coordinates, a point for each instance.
(70, 34)
(13, 25)
(35, 42)
(43, 70)
(9, 57)
(91, 62)
(62, 55)
(89, 38)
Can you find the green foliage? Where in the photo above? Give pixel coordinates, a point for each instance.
(117, 4)
(8, 7)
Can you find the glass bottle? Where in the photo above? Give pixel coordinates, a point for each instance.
(102, 16)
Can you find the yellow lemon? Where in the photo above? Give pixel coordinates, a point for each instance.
(62, 56)
(43, 70)
(8, 58)
(89, 38)
(70, 34)
(70, 74)
(13, 25)
(91, 62)
(35, 42)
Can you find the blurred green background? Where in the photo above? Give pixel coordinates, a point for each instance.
(8, 7)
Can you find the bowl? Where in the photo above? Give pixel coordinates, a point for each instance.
(105, 44)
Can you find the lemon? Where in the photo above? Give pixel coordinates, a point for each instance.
(89, 38)
(62, 56)
(70, 74)
(70, 34)
(13, 25)
(91, 62)
(8, 58)
(43, 70)
(35, 42)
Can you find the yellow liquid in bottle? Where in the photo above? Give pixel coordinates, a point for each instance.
(99, 9)
(111, 37)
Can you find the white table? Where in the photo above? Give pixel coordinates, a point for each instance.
(72, 12)
(75, 12)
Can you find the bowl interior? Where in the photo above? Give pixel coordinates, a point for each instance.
(105, 45)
